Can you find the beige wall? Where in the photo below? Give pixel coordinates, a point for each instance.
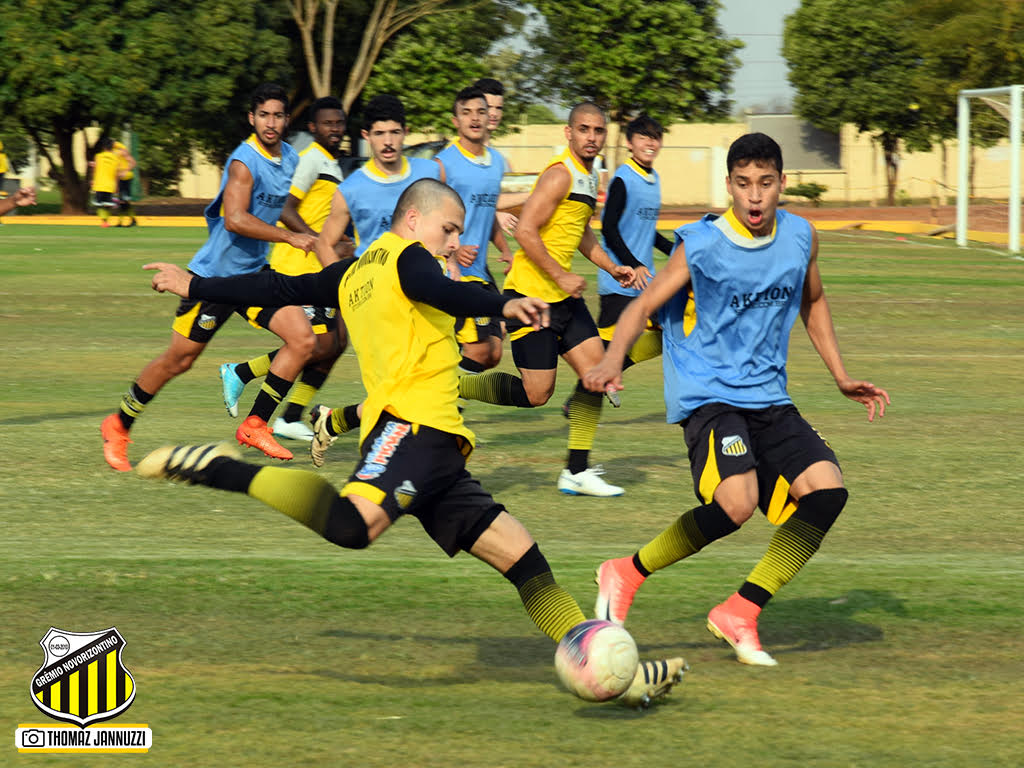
(692, 165)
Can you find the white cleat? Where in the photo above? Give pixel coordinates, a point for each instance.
(293, 430)
(653, 680)
(319, 415)
(587, 483)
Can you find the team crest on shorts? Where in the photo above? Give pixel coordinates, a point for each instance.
(207, 322)
(82, 679)
(404, 494)
(733, 445)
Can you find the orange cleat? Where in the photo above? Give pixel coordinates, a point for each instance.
(736, 623)
(617, 583)
(115, 443)
(255, 432)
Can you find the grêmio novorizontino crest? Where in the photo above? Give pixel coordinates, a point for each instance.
(82, 679)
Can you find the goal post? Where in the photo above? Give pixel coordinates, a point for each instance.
(963, 124)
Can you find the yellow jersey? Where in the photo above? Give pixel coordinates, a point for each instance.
(124, 163)
(104, 173)
(408, 356)
(316, 177)
(561, 234)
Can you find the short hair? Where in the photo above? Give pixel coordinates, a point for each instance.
(327, 102)
(267, 92)
(490, 86)
(645, 125)
(104, 144)
(426, 196)
(381, 108)
(585, 107)
(754, 147)
(467, 94)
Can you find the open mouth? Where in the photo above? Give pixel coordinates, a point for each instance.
(755, 216)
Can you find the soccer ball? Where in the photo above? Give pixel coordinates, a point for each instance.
(596, 660)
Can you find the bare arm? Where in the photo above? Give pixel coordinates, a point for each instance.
(24, 196)
(237, 219)
(633, 320)
(551, 187)
(333, 230)
(498, 238)
(817, 317)
(591, 248)
(290, 217)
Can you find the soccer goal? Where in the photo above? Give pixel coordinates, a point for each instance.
(1006, 101)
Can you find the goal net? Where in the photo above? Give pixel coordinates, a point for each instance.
(1007, 102)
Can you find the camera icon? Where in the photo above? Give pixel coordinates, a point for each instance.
(33, 737)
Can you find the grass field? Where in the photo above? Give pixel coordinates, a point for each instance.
(255, 643)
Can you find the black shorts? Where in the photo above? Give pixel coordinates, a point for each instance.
(124, 190)
(199, 320)
(777, 442)
(471, 330)
(104, 200)
(321, 319)
(571, 325)
(412, 469)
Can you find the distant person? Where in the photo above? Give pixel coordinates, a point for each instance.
(104, 166)
(241, 222)
(4, 167)
(494, 94)
(125, 174)
(753, 271)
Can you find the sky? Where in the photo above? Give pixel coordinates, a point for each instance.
(761, 80)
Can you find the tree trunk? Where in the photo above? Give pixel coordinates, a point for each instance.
(73, 187)
(890, 147)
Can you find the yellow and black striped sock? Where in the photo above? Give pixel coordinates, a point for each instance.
(584, 415)
(255, 368)
(271, 394)
(497, 387)
(648, 346)
(104, 214)
(689, 534)
(793, 544)
(308, 384)
(133, 403)
(552, 609)
(303, 495)
(343, 419)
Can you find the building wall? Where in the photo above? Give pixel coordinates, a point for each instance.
(692, 164)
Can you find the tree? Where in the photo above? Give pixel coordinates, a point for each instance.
(853, 65)
(71, 65)
(438, 56)
(669, 59)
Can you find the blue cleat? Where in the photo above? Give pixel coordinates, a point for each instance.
(232, 386)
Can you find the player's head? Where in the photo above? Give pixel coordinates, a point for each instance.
(586, 131)
(104, 144)
(755, 180)
(384, 118)
(433, 213)
(327, 123)
(494, 94)
(268, 114)
(470, 114)
(644, 137)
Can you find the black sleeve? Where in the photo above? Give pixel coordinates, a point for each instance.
(662, 243)
(613, 207)
(423, 281)
(272, 289)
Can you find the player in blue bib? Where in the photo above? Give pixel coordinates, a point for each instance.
(367, 198)
(752, 271)
(475, 172)
(241, 222)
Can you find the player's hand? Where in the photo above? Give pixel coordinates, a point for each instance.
(507, 221)
(529, 311)
(572, 283)
(466, 255)
(451, 265)
(874, 398)
(606, 376)
(345, 248)
(301, 241)
(506, 259)
(642, 277)
(626, 276)
(25, 196)
(170, 278)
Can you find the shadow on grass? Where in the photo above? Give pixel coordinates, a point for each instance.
(43, 418)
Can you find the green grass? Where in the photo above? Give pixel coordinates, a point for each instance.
(255, 643)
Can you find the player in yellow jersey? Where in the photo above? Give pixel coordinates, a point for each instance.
(104, 179)
(554, 224)
(413, 441)
(313, 185)
(125, 174)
